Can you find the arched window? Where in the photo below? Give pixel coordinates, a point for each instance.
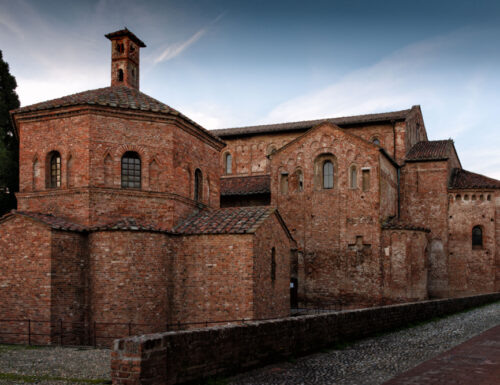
(36, 172)
(69, 172)
(327, 174)
(54, 177)
(354, 177)
(376, 141)
(131, 170)
(228, 163)
(198, 185)
(477, 237)
(120, 75)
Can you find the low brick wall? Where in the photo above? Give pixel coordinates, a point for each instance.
(178, 357)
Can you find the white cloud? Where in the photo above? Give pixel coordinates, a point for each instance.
(453, 95)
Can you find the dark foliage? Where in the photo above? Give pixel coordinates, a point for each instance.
(9, 144)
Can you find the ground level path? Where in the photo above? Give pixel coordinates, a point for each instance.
(472, 336)
(476, 361)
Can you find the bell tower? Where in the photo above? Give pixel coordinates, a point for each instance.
(125, 48)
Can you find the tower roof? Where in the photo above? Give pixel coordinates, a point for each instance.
(125, 33)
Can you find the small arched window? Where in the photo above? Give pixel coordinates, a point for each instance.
(131, 170)
(328, 175)
(376, 141)
(284, 183)
(54, 177)
(120, 75)
(299, 176)
(477, 237)
(354, 177)
(198, 185)
(228, 163)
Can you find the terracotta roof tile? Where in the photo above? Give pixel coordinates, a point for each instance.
(126, 32)
(307, 124)
(118, 97)
(230, 220)
(54, 222)
(430, 150)
(462, 179)
(130, 224)
(245, 185)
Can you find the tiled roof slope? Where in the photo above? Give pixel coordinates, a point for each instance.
(307, 124)
(130, 224)
(230, 220)
(126, 32)
(119, 97)
(462, 179)
(430, 150)
(245, 185)
(54, 222)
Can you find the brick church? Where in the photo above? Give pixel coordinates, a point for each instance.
(130, 212)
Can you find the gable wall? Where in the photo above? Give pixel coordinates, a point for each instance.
(272, 297)
(326, 222)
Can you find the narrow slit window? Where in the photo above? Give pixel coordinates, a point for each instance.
(229, 163)
(198, 185)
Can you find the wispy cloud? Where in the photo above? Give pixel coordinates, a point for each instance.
(176, 49)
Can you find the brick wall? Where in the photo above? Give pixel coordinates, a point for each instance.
(404, 262)
(424, 193)
(177, 357)
(128, 281)
(271, 293)
(25, 290)
(91, 143)
(472, 270)
(68, 280)
(338, 229)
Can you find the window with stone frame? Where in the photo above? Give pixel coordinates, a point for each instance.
(325, 169)
(131, 170)
(284, 183)
(54, 170)
(365, 174)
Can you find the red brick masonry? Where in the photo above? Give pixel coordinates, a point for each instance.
(476, 361)
(178, 357)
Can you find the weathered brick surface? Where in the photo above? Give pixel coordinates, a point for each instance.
(177, 357)
(25, 263)
(338, 229)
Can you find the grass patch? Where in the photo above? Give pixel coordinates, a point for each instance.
(35, 379)
(11, 347)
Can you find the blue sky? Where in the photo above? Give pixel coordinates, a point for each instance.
(233, 63)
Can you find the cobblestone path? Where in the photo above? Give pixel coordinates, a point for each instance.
(376, 360)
